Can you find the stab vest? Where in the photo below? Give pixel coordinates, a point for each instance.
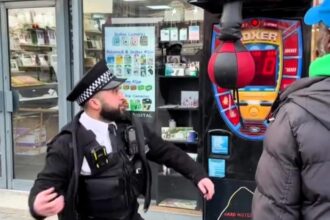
(110, 192)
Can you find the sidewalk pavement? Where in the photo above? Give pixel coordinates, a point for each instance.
(13, 206)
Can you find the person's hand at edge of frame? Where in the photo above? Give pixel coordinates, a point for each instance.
(206, 186)
(48, 203)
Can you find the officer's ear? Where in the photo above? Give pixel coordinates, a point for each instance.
(94, 104)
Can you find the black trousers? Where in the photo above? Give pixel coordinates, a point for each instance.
(136, 216)
(133, 216)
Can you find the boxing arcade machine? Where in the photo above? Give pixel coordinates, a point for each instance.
(235, 124)
(276, 46)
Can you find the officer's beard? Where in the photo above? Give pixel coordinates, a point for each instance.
(112, 114)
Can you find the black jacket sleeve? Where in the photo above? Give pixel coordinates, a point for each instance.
(56, 172)
(164, 152)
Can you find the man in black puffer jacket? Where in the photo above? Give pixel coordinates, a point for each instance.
(292, 177)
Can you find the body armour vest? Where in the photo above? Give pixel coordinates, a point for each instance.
(111, 191)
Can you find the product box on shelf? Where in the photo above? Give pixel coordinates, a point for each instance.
(192, 69)
(189, 98)
(29, 141)
(25, 37)
(50, 37)
(175, 69)
(175, 134)
(40, 36)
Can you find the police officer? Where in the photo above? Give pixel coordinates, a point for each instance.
(97, 166)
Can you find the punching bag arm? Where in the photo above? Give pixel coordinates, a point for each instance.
(231, 21)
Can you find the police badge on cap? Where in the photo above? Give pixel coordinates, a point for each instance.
(99, 77)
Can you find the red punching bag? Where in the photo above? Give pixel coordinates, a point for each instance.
(231, 65)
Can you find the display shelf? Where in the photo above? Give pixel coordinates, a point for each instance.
(191, 48)
(36, 48)
(29, 86)
(40, 110)
(46, 97)
(177, 108)
(174, 190)
(17, 50)
(17, 72)
(35, 104)
(93, 49)
(181, 142)
(34, 68)
(177, 77)
(42, 85)
(93, 32)
(88, 66)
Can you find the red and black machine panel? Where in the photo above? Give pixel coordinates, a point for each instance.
(279, 42)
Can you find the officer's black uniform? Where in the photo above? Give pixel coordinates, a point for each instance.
(110, 192)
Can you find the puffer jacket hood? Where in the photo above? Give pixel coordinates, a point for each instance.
(311, 94)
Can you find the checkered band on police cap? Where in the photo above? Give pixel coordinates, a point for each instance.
(96, 86)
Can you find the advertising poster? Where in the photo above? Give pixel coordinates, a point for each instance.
(130, 53)
(194, 32)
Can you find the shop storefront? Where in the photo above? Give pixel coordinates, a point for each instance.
(162, 47)
(47, 45)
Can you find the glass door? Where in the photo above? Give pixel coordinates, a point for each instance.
(33, 57)
(31, 78)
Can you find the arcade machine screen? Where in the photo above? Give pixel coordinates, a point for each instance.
(277, 48)
(265, 62)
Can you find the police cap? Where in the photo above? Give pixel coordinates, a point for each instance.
(98, 78)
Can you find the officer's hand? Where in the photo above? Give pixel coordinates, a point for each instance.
(46, 204)
(206, 187)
